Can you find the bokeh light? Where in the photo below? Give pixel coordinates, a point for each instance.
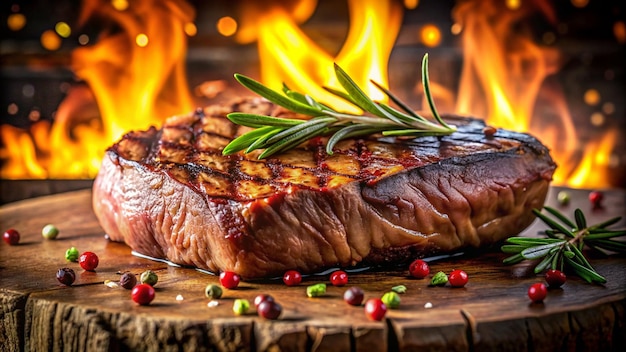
(16, 21)
(63, 29)
(227, 26)
(513, 4)
(141, 40)
(50, 40)
(580, 3)
(592, 97)
(190, 29)
(411, 4)
(430, 35)
(119, 5)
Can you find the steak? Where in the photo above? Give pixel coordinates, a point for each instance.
(170, 193)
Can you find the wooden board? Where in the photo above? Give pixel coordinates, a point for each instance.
(491, 312)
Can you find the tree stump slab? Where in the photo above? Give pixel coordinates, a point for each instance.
(492, 312)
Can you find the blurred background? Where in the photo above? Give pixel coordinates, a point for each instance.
(76, 75)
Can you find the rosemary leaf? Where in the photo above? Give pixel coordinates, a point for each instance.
(553, 224)
(538, 251)
(586, 274)
(254, 120)
(242, 142)
(559, 216)
(397, 101)
(581, 222)
(514, 259)
(275, 97)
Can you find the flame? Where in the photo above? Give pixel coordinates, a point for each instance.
(135, 76)
(136, 71)
(288, 55)
(506, 75)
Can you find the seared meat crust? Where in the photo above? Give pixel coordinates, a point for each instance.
(170, 193)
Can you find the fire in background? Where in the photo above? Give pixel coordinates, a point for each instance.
(82, 73)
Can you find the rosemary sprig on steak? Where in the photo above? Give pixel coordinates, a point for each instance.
(276, 134)
(565, 243)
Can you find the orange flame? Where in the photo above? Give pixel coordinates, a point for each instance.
(288, 55)
(137, 76)
(504, 74)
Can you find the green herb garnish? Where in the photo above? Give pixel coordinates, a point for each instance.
(565, 243)
(274, 134)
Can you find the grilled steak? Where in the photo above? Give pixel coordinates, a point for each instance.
(170, 193)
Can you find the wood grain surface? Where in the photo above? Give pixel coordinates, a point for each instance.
(492, 312)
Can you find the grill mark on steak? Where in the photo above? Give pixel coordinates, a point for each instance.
(374, 200)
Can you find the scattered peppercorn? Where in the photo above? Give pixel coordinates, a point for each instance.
(555, 278)
(339, 278)
(596, 198)
(489, 131)
(50, 232)
(149, 277)
(71, 255)
(419, 269)
(563, 198)
(66, 276)
(11, 237)
(241, 306)
(261, 298)
(292, 278)
(458, 278)
(143, 294)
(399, 289)
(353, 296)
(88, 261)
(391, 300)
(375, 309)
(229, 279)
(439, 279)
(316, 290)
(269, 309)
(212, 291)
(537, 292)
(128, 280)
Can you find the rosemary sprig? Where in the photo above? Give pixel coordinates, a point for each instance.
(565, 243)
(276, 134)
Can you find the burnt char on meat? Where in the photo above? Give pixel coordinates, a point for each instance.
(170, 193)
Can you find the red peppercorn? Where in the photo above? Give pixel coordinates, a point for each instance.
(596, 198)
(66, 276)
(229, 279)
(11, 237)
(353, 296)
(375, 309)
(262, 298)
(269, 309)
(458, 278)
(292, 278)
(143, 294)
(537, 292)
(339, 278)
(419, 269)
(555, 278)
(88, 261)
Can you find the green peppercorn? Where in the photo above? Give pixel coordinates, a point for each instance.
(391, 300)
(241, 306)
(71, 255)
(149, 277)
(399, 289)
(50, 232)
(213, 291)
(316, 290)
(439, 279)
(563, 198)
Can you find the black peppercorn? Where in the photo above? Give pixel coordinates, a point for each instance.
(128, 281)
